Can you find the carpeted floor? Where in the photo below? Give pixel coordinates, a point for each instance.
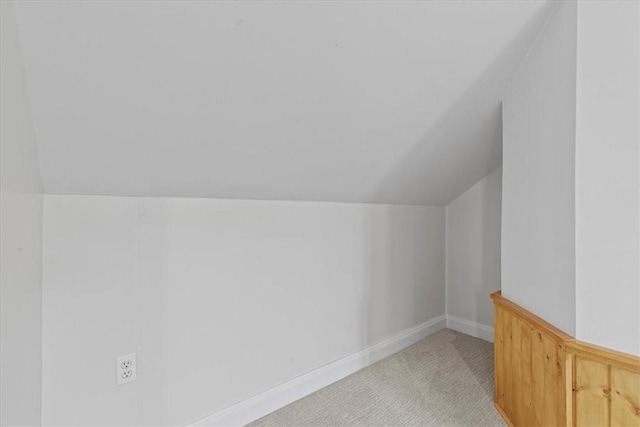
(444, 380)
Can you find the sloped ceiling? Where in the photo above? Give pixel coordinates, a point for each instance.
(382, 102)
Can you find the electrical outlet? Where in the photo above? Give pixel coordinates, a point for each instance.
(126, 369)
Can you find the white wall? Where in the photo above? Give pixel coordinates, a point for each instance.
(21, 242)
(608, 175)
(538, 212)
(221, 299)
(473, 255)
(571, 200)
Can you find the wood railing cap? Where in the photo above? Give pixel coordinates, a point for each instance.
(606, 355)
(536, 320)
(626, 361)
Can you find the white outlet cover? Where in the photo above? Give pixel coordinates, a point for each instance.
(126, 369)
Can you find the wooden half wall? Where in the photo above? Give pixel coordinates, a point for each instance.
(544, 377)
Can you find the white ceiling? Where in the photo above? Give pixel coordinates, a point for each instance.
(383, 102)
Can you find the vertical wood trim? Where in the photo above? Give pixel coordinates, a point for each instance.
(516, 368)
(550, 391)
(527, 371)
(568, 384)
(560, 384)
(508, 368)
(498, 357)
(537, 374)
(574, 387)
(606, 391)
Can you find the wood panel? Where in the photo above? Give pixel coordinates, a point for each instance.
(544, 377)
(606, 386)
(498, 357)
(516, 369)
(506, 372)
(526, 334)
(531, 367)
(625, 397)
(551, 402)
(592, 394)
(537, 377)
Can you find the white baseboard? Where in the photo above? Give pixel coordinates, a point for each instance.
(470, 328)
(277, 397)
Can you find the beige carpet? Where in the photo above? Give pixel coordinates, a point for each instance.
(444, 380)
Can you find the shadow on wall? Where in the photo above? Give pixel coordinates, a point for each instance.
(473, 253)
(490, 255)
(237, 297)
(480, 136)
(399, 289)
(473, 126)
(155, 340)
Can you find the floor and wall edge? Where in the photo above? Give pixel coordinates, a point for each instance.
(469, 327)
(279, 396)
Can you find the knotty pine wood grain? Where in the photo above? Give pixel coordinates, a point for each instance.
(591, 392)
(526, 332)
(544, 377)
(625, 397)
(537, 377)
(530, 369)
